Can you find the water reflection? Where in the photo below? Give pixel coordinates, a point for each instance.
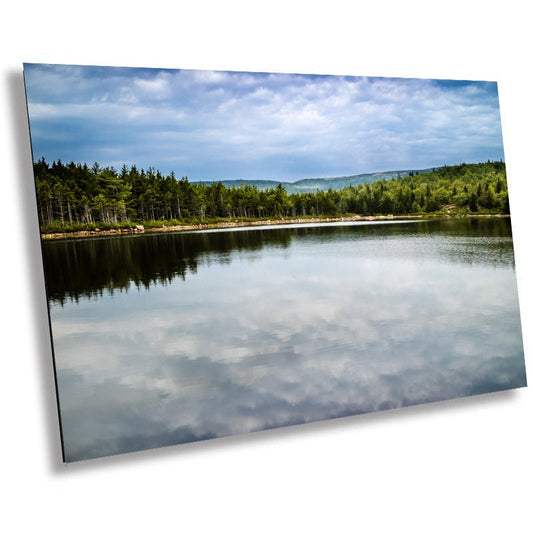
(285, 326)
(88, 267)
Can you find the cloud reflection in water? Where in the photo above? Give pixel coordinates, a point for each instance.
(325, 327)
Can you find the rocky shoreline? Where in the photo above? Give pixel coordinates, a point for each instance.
(140, 229)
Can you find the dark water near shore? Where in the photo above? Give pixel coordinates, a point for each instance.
(169, 338)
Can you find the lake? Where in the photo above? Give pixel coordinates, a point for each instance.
(168, 338)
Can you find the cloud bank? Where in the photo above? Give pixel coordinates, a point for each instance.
(224, 125)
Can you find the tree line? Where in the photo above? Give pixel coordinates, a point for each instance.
(75, 196)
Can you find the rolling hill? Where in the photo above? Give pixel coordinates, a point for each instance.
(321, 184)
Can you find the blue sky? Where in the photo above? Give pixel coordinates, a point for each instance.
(232, 125)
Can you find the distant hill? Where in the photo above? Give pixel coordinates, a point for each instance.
(321, 184)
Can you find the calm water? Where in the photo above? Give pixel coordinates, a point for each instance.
(170, 338)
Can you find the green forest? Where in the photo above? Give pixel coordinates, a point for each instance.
(74, 197)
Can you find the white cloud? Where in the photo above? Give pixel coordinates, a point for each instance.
(239, 122)
(159, 86)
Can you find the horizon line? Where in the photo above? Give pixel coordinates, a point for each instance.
(216, 180)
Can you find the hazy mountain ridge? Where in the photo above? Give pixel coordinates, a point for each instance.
(321, 184)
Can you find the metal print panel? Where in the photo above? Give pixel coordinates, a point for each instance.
(227, 252)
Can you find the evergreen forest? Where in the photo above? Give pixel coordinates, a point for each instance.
(74, 196)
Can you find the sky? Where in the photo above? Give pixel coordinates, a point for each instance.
(210, 125)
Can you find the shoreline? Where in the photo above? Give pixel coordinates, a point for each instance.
(140, 230)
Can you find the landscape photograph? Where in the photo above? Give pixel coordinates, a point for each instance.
(229, 252)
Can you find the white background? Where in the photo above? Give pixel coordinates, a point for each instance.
(463, 465)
